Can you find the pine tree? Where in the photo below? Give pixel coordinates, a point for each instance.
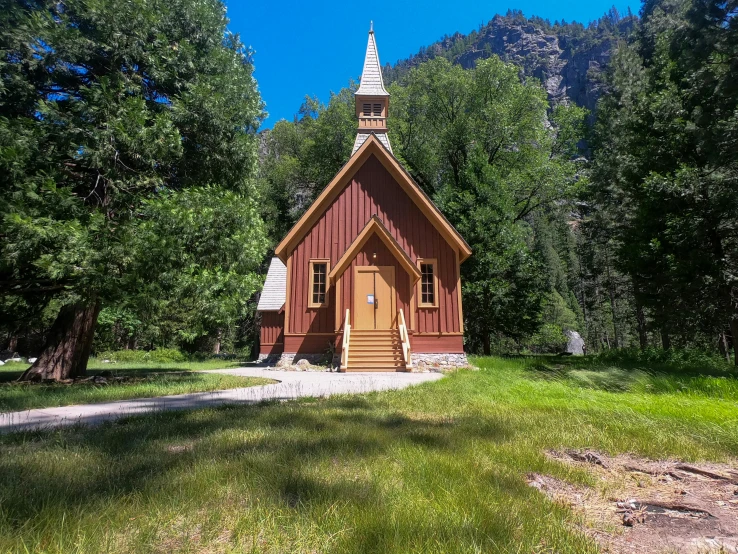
(116, 115)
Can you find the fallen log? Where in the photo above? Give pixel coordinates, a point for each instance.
(676, 507)
(652, 472)
(704, 473)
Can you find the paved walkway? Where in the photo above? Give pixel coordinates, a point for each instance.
(292, 384)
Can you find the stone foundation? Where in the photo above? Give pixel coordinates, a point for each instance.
(268, 358)
(438, 362)
(320, 362)
(304, 362)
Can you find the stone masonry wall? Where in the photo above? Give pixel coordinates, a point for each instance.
(438, 362)
(319, 362)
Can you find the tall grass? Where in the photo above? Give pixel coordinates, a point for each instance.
(437, 468)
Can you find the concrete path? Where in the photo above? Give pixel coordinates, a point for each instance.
(292, 384)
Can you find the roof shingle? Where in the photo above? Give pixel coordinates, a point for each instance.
(361, 137)
(371, 78)
(274, 293)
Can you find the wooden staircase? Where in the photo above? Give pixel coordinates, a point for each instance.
(375, 350)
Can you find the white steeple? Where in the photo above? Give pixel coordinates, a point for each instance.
(371, 78)
(372, 99)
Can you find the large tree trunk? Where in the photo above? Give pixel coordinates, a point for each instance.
(723, 347)
(216, 346)
(640, 315)
(613, 302)
(68, 344)
(641, 324)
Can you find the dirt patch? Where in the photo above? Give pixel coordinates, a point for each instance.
(651, 507)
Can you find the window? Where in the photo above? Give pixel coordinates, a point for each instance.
(367, 110)
(377, 110)
(318, 291)
(428, 283)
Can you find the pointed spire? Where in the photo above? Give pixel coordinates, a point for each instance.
(372, 99)
(371, 78)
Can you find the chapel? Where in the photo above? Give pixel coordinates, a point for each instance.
(370, 274)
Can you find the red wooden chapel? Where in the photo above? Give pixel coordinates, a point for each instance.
(371, 269)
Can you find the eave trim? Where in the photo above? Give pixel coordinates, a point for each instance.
(372, 146)
(374, 227)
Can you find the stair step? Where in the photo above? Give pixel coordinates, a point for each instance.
(377, 345)
(368, 362)
(375, 367)
(380, 345)
(374, 337)
(353, 362)
(381, 357)
(374, 341)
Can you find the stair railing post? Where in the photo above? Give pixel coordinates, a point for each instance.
(345, 343)
(405, 338)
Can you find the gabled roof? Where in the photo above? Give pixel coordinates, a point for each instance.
(372, 147)
(371, 78)
(274, 293)
(374, 227)
(361, 138)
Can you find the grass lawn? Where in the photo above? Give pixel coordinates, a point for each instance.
(436, 468)
(144, 380)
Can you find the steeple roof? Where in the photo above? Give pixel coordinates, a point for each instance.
(371, 78)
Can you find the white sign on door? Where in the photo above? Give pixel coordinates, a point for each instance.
(370, 299)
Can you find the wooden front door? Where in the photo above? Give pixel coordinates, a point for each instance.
(374, 297)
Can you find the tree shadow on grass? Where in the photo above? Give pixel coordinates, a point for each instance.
(278, 446)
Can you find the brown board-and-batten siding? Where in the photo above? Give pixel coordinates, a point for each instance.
(372, 190)
(271, 337)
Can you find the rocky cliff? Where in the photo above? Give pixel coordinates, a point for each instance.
(567, 58)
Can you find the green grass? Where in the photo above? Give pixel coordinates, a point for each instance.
(435, 469)
(152, 379)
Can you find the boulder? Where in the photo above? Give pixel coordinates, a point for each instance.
(574, 343)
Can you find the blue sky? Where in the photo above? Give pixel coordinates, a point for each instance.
(313, 48)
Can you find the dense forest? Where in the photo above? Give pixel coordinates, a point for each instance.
(592, 169)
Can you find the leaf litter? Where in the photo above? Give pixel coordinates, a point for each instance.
(647, 506)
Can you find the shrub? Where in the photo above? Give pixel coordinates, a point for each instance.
(550, 338)
(160, 355)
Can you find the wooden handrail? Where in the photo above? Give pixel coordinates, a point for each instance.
(345, 345)
(405, 338)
